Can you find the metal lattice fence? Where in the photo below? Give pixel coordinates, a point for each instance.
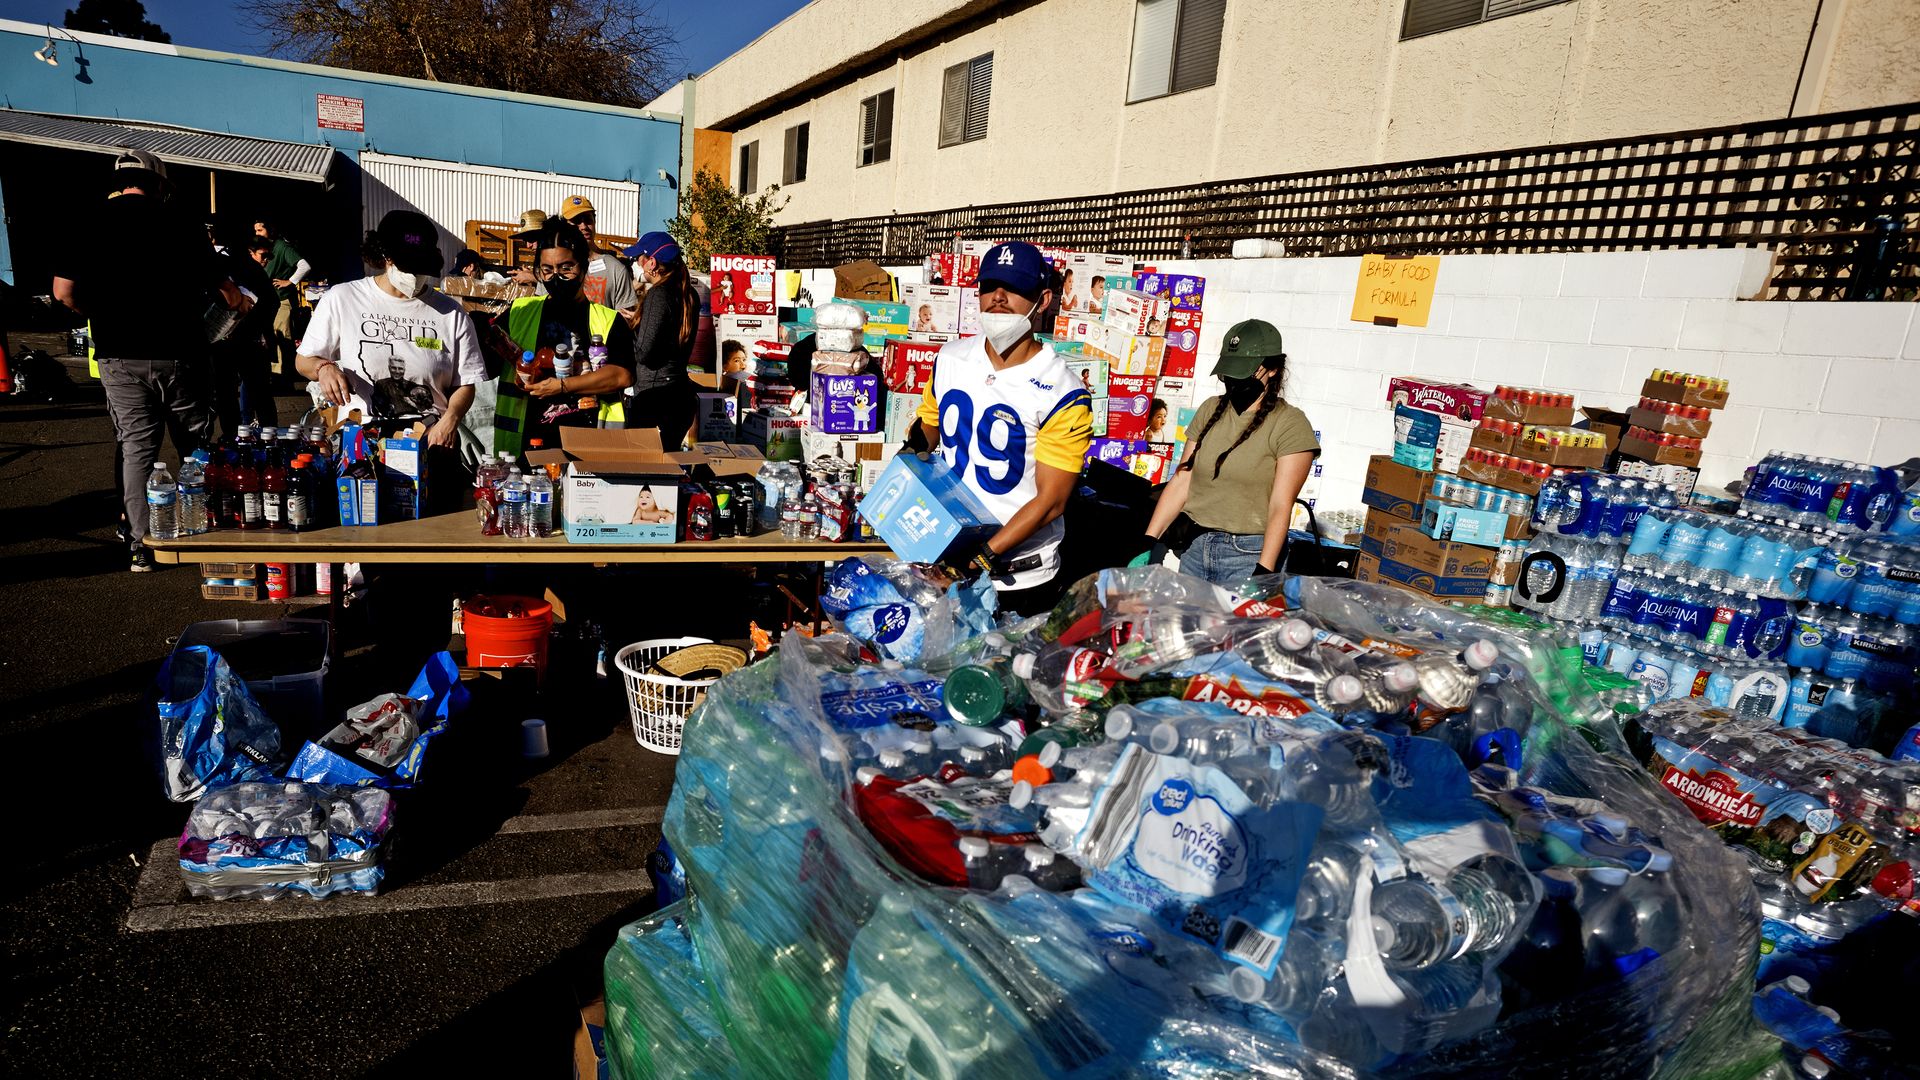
(1836, 196)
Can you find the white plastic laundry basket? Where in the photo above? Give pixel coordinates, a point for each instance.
(660, 703)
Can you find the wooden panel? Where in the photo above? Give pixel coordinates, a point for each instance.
(1837, 196)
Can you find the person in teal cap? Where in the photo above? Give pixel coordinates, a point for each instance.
(1246, 461)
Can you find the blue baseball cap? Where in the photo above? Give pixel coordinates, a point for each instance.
(1017, 267)
(657, 246)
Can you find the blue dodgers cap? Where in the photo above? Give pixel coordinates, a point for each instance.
(657, 246)
(1016, 266)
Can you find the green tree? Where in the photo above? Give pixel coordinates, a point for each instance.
(121, 18)
(715, 219)
(611, 52)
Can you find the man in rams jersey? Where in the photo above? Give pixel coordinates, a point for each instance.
(1013, 423)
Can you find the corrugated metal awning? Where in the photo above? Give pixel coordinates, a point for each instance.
(211, 149)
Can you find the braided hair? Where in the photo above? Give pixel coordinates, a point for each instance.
(1269, 397)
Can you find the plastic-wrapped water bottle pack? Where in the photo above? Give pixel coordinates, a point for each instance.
(268, 839)
(1169, 830)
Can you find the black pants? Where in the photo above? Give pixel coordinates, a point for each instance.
(670, 408)
(242, 389)
(1034, 599)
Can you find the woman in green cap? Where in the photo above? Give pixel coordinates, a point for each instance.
(1247, 458)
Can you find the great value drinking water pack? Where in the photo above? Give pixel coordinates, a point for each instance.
(1183, 843)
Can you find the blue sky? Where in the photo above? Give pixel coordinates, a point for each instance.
(705, 36)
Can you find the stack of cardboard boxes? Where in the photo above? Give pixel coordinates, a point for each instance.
(1136, 355)
(1660, 438)
(1449, 510)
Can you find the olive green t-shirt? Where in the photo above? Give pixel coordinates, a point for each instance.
(1236, 500)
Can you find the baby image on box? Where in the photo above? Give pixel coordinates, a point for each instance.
(923, 321)
(647, 509)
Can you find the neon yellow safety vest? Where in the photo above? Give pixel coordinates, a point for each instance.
(93, 362)
(523, 326)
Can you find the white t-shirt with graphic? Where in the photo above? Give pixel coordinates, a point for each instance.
(401, 358)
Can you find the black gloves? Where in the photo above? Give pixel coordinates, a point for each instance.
(982, 560)
(1262, 571)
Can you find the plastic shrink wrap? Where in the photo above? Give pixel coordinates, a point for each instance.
(1212, 857)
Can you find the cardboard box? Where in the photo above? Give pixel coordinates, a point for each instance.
(1457, 400)
(621, 488)
(1130, 354)
(1560, 457)
(1466, 525)
(885, 313)
(1135, 313)
(359, 500)
(956, 269)
(1093, 274)
(233, 592)
(1079, 328)
(1155, 463)
(1399, 490)
(1116, 452)
(1669, 423)
(1182, 292)
(932, 309)
(1407, 544)
(1636, 445)
(741, 285)
(1373, 569)
(1429, 440)
(1178, 393)
(1481, 472)
(776, 435)
(590, 1043)
(922, 511)
(1606, 422)
(230, 570)
(907, 365)
(1495, 438)
(1129, 403)
(845, 404)
(403, 474)
(1100, 405)
(1093, 374)
(744, 330)
(717, 417)
(1181, 357)
(902, 411)
(1706, 397)
(1511, 409)
(815, 445)
(969, 311)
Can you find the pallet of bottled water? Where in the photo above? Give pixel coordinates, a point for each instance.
(1172, 830)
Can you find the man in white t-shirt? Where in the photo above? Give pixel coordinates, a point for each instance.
(393, 346)
(1014, 424)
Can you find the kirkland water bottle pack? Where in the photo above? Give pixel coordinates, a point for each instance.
(1170, 831)
(268, 839)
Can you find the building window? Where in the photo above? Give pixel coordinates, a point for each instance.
(963, 101)
(750, 168)
(794, 169)
(1432, 16)
(876, 128)
(1176, 46)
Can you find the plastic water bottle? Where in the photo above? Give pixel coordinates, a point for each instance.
(1569, 605)
(1447, 681)
(540, 504)
(514, 493)
(1648, 537)
(191, 511)
(163, 503)
(1630, 920)
(1201, 740)
(1305, 968)
(1483, 905)
(1686, 535)
(563, 361)
(1720, 552)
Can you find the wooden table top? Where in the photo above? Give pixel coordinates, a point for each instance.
(456, 538)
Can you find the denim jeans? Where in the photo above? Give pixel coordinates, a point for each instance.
(1223, 558)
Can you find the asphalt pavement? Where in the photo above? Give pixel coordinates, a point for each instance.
(508, 878)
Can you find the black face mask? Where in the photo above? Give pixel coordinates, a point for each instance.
(1243, 392)
(563, 289)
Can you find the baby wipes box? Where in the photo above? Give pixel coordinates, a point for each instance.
(922, 511)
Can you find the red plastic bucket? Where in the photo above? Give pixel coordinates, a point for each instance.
(495, 641)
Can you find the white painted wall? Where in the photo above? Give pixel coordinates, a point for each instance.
(1835, 379)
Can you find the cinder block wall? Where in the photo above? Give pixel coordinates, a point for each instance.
(1835, 379)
